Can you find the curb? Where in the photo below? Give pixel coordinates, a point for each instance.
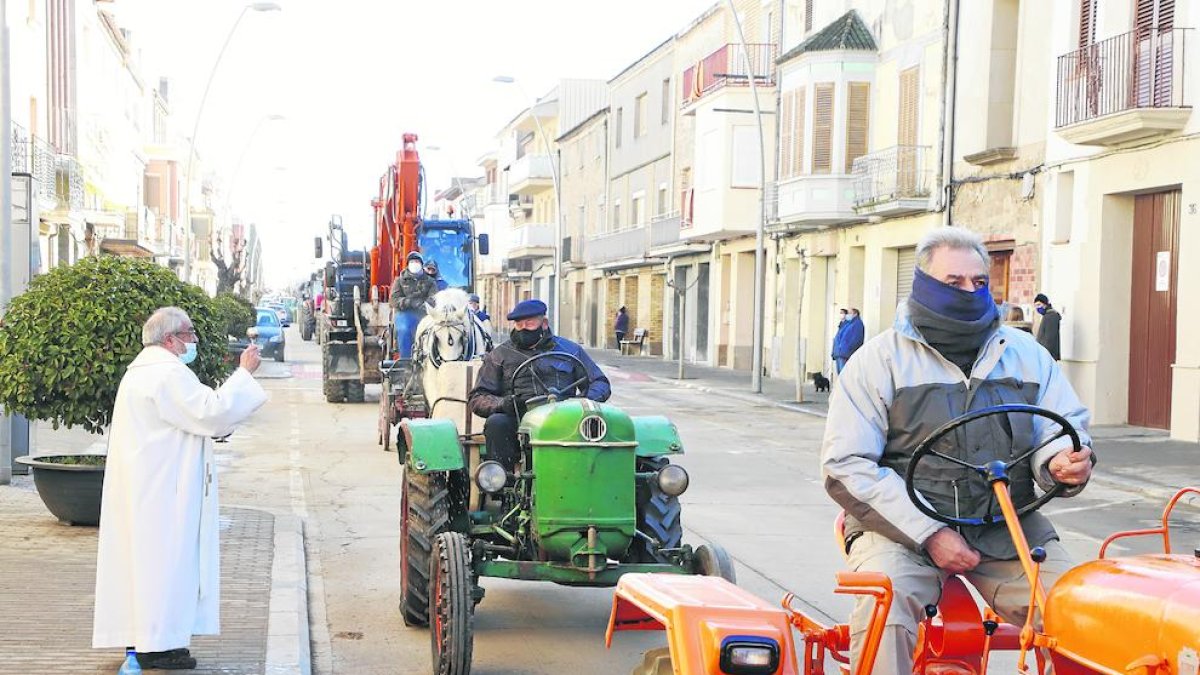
(288, 649)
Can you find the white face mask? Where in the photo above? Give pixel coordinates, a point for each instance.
(414, 267)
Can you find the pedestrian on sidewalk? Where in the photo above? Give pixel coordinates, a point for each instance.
(849, 338)
(1047, 332)
(621, 325)
(946, 355)
(157, 561)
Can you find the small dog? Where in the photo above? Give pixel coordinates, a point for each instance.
(821, 382)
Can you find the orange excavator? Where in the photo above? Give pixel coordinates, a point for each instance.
(356, 327)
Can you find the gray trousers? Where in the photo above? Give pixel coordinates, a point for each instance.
(917, 582)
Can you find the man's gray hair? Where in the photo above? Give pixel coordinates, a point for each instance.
(958, 238)
(162, 323)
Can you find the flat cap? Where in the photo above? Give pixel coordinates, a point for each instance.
(527, 309)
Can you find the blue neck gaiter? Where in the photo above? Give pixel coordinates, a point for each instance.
(951, 302)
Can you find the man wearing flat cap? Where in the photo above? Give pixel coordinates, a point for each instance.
(501, 401)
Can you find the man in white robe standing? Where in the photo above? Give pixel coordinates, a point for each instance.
(157, 564)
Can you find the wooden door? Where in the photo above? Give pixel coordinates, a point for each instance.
(1153, 308)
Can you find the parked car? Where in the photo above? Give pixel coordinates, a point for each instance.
(285, 317)
(268, 333)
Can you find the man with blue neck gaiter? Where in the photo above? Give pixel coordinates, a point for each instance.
(946, 355)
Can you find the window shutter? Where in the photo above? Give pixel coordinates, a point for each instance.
(858, 114)
(822, 128)
(1087, 22)
(798, 148)
(906, 132)
(808, 11)
(786, 166)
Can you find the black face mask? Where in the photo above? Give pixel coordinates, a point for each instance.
(525, 339)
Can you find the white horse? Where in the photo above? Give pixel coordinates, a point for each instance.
(450, 331)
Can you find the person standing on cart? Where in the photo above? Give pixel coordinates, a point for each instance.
(501, 401)
(411, 291)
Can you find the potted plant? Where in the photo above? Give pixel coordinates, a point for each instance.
(64, 347)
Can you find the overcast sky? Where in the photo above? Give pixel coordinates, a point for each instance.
(351, 76)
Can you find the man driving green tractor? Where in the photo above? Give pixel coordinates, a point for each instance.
(498, 397)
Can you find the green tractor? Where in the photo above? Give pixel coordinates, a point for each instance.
(594, 497)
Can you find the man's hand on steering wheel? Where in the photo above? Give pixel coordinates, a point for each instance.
(1071, 466)
(536, 381)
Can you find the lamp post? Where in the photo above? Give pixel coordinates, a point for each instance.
(760, 267)
(557, 300)
(187, 189)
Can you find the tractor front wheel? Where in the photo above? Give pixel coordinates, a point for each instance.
(659, 515)
(713, 561)
(451, 609)
(424, 513)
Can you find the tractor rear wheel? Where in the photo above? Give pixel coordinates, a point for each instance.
(713, 561)
(451, 609)
(335, 392)
(355, 391)
(659, 515)
(424, 513)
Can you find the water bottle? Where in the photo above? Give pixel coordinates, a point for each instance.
(131, 665)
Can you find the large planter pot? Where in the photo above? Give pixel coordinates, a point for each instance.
(70, 491)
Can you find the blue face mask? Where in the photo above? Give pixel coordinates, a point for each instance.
(1041, 310)
(951, 302)
(190, 354)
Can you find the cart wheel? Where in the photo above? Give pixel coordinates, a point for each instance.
(713, 561)
(451, 609)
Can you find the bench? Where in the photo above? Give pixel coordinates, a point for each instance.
(638, 339)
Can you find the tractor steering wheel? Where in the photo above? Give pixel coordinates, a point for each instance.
(542, 398)
(993, 471)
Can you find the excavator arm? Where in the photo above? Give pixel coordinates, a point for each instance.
(397, 216)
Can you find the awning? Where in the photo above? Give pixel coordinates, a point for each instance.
(128, 248)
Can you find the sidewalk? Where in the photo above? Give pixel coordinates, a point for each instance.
(48, 581)
(1134, 459)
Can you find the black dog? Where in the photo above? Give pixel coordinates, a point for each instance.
(821, 382)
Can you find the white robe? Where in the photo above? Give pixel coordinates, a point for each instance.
(157, 567)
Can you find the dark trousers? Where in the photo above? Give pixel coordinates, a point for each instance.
(620, 336)
(500, 433)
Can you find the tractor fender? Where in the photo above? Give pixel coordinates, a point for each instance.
(656, 435)
(433, 445)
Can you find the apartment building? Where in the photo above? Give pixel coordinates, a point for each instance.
(584, 152)
(1119, 252)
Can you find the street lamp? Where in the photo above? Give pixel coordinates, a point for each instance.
(556, 301)
(187, 194)
(760, 267)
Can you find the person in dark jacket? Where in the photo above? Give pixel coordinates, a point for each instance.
(431, 271)
(621, 325)
(848, 339)
(411, 291)
(502, 401)
(946, 355)
(1047, 332)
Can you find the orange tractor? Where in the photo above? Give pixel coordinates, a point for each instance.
(1137, 615)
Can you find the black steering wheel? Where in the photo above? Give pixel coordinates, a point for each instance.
(993, 471)
(550, 391)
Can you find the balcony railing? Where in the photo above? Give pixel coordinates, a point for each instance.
(664, 230)
(890, 175)
(726, 67)
(1139, 69)
(68, 183)
(616, 246)
(36, 157)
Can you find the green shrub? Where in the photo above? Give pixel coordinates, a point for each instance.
(234, 314)
(66, 341)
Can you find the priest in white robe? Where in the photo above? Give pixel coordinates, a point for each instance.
(157, 564)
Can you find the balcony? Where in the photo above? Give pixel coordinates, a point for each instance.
(34, 156)
(531, 240)
(726, 67)
(68, 183)
(1125, 88)
(812, 201)
(892, 182)
(531, 174)
(624, 245)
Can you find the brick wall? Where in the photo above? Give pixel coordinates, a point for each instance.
(658, 287)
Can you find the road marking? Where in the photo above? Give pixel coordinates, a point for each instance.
(1093, 507)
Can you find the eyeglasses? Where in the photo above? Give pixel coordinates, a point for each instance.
(190, 331)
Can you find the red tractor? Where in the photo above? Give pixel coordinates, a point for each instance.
(1137, 615)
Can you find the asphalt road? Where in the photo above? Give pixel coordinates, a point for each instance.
(755, 489)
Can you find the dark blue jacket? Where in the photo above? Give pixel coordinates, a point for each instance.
(849, 337)
(622, 325)
(500, 364)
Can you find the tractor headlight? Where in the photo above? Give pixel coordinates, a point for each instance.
(672, 480)
(491, 477)
(749, 655)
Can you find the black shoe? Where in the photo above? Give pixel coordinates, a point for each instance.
(174, 659)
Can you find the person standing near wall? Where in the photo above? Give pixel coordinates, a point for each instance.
(621, 325)
(1047, 332)
(849, 338)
